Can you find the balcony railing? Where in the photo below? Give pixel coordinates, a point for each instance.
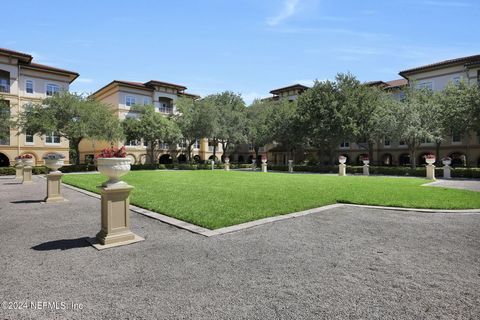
(4, 88)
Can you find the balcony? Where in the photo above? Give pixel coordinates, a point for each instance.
(4, 81)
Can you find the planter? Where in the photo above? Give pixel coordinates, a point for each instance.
(447, 162)
(28, 162)
(365, 162)
(54, 164)
(430, 160)
(226, 160)
(113, 168)
(18, 162)
(264, 160)
(342, 159)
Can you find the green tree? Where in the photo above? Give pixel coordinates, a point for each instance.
(412, 120)
(5, 120)
(324, 116)
(153, 128)
(72, 117)
(461, 112)
(259, 117)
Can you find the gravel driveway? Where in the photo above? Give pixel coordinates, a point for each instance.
(345, 263)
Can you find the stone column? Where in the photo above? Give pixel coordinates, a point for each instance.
(254, 165)
(264, 166)
(446, 172)
(213, 164)
(54, 184)
(290, 166)
(342, 169)
(227, 166)
(430, 172)
(115, 213)
(27, 175)
(18, 171)
(366, 170)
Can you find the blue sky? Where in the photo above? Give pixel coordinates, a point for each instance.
(247, 46)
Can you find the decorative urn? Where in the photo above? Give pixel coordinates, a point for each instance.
(264, 160)
(430, 159)
(114, 164)
(27, 160)
(365, 160)
(54, 161)
(342, 159)
(447, 161)
(227, 160)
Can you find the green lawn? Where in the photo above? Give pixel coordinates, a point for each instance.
(219, 198)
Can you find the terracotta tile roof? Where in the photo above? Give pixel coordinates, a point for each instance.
(44, 67)
(376, 83)
(292, 87)
(436, 65)
(396, 83)
(166, 84)
(23, 55)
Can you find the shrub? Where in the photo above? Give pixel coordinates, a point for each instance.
(6, 171)
(78, 168)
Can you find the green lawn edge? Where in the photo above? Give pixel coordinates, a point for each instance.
(216, 199)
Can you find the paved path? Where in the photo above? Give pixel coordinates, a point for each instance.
(457, 184)
(346, 263)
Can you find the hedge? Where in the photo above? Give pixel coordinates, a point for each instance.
(6, 171)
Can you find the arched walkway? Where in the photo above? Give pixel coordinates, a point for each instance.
(387, 159)
(132, 158)
(4, 161)
(182, 158)
(212, 157)
(458, 159)
(165, 159)
(197, 158)
(404, 159)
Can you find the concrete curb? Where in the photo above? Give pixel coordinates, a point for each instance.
(247, 225)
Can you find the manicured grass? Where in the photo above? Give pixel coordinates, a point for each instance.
(219, 199)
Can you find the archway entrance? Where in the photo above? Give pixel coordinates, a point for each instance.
(387, 159)
(404, 159)
(458, 159)
(4, 161)
(182, 158)
(165, 159)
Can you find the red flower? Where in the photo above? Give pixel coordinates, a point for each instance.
(112, 153)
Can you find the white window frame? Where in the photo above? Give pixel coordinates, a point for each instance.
(53, 85)
(385, 145)
(456, 79)
(146, 101)
(130, 99)
(425, 85)
(53, 135)
(345, 144)
(26, 86)
(196, 145)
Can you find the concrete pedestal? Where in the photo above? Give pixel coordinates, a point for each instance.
(342, 169)
(27, 175)
(290, 166)
(446, 172)
(366, 170)
(54, 184)
(430, 172)
(19, 171)
(227, 166)
(264, 167)
(254, 166)
(115, 220)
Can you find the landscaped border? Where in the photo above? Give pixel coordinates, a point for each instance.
(242, 226)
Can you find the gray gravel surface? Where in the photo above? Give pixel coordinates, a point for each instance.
(345, 263)
(473, 185)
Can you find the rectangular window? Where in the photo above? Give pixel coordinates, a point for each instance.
(164, 146)
(456, 138)
(4, 81)
(386, 142)
(345, 144)
(52, 89)
(456, 80)
(165, 108)
(28, 138)
(196, 145)
(52, 138)
(129, 101)
(29, 86)
(182, 144)
(401, 143)
(133, 143)
(146, 101)
(425, 85)
(425, 140)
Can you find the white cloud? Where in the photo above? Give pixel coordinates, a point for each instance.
(248, 97)
(290, 7)
(84, 80)
(447, 4)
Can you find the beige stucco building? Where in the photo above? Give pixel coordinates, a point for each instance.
(434, 76)
(23, 82)
(121, 96)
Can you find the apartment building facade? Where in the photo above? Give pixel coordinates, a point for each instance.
(121, 96)
(435, 76)
(23, 82)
